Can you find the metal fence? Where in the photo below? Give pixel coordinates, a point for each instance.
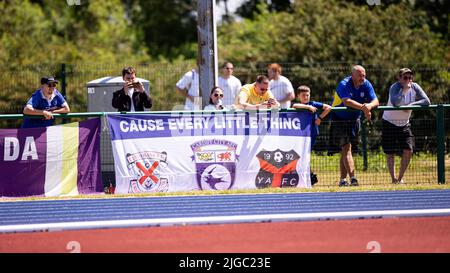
(17, 84)
(430, 163)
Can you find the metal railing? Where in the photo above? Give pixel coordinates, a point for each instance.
(432, 147)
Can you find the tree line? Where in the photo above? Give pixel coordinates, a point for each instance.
(318, 40)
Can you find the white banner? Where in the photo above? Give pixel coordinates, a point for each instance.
(211, 151)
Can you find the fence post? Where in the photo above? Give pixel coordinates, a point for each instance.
(440, 128)
(63, 85)
(364, 145)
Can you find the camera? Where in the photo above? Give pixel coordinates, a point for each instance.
(133, 84)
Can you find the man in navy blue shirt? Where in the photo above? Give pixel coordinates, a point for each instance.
(45, 102)
(356, 92)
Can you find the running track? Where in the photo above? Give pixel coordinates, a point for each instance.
(295, 229)
(48, 215)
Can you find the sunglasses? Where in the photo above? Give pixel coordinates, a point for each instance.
(263, 89)
(407, 78)
(218, 95)
(52, 84)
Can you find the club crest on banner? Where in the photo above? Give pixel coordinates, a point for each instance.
(215, 162)
(277, 169)
(148, 172)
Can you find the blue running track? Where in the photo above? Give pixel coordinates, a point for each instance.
(48, 215)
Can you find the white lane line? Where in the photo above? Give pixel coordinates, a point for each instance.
(220, 219)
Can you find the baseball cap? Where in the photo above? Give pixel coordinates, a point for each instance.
(48, 79)
(404, 71)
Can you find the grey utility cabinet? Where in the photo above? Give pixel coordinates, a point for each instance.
(100, 92)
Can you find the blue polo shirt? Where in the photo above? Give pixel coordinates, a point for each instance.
(39, 102)
(363, 94)
(315, 128)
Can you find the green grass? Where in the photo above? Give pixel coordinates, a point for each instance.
(421, 175)
(376, 161)
(422, 169)
(389, 187)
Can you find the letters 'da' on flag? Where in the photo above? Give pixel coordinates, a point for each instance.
(61, 160)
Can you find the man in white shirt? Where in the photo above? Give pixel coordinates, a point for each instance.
(280, 86)
(229, 84)
(188, 86)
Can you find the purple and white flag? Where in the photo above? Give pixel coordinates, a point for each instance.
(61, 160)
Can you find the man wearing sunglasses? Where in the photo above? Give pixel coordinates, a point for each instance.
(256, 95)
(397, 137)
(45, 102)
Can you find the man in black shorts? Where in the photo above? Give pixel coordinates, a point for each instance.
(356, 92)
(397, 137)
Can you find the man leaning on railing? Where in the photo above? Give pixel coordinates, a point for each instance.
(255, 96)
(45, 101)
(397, 137)
(356, 92)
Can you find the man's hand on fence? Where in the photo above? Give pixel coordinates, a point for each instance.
(366, 109)
(47, 114)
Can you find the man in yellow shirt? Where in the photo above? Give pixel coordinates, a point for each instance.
(256, 95)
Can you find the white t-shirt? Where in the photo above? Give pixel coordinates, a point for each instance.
(230, 87)
(280, 89)
(401, 117)
(130, 94)
(212, 107)
(190, 81)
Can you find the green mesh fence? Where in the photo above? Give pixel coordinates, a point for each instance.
(370, 160)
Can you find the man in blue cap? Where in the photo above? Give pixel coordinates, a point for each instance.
(45, 102)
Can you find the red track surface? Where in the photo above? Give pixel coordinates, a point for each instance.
(425, 234)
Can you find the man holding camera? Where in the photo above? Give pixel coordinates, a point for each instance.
(45, 101)
(132, 97)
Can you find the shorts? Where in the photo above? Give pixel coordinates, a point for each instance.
(395, 139)
(343, 132)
